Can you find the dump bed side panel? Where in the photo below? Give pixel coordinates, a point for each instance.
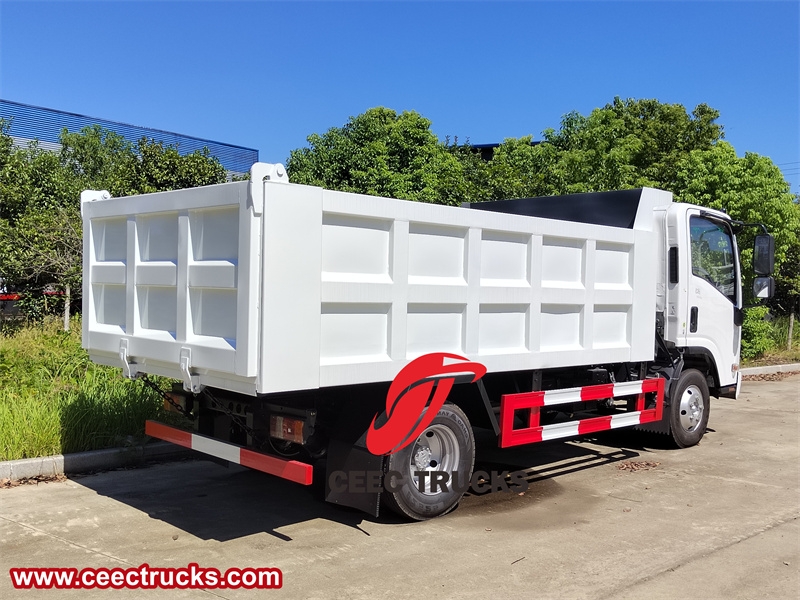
(390, 280)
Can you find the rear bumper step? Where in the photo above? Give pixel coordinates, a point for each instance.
(292, 470)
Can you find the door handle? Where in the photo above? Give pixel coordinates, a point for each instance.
(693, 320)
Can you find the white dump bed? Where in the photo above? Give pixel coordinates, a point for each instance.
(267, 286)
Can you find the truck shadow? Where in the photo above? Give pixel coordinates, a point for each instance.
(549, 460)
(214, 502)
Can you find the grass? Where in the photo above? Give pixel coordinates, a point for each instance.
(777, 354)
(54, 400)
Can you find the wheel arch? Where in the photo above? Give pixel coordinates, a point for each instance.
(702, 359)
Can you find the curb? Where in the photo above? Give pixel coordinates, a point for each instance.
(93, 460)
(770, 369)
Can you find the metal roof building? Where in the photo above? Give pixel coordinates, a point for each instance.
(45, 125)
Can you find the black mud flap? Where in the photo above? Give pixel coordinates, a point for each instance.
(349, 467)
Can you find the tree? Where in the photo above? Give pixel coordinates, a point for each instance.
(750, 189)
(626, 144)
(44, 250)
(101, 159)
(520, 169)
(384, 154)
(40, 226)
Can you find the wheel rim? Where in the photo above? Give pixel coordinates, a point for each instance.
(691, 407)
(436, 449)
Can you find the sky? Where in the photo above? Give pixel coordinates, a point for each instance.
(266, 75)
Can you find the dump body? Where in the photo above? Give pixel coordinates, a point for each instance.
(266, 286)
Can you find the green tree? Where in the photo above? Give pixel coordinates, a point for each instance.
(750, 189)
(43, 249)
(383, 153)
(520, 169)
(40, 229)
(626, 144)
(98, 158)
(101, 159)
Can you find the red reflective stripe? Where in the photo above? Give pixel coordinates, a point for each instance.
(287, 469)
(594, 424)
(512, 402)
(525, 399)
(8, 297)
(649, 415)
(597, 392)
(518, 437)
(168, 434)
(652, 385)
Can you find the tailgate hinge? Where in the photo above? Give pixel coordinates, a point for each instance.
(260, 173)
(129, 369)
(191, 383)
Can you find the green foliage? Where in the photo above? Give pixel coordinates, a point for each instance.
(102, 159)
(40, 228)
(626, 144)
(779, 328)
(757, 336)
(53, 399)
(787, 275)
(384, 154)
(750, 189)
(43, 247)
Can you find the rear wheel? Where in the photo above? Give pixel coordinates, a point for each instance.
(435, 470)
(689, 408)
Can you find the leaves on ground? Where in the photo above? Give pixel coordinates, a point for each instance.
(637, 465)
(9, 483)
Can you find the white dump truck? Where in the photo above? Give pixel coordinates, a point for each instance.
(368, 336)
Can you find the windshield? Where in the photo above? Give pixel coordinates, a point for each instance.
(713, 258)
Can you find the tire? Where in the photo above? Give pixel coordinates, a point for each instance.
(447, 444)
(689, 409)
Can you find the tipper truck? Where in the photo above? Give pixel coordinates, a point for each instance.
(362, 339)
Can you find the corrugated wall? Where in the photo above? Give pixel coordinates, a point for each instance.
(45, 125)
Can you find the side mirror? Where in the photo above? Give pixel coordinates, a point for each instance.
(764, 287)
(764, 254)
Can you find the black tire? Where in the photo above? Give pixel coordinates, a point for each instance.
(689, 408)
(449, 437)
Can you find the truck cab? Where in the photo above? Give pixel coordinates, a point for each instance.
(703, 300)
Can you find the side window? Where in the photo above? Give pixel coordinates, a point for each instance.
(712, 256)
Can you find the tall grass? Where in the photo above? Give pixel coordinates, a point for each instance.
(780, 332)
(53, 399)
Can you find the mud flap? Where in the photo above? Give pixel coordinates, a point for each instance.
(354, 461)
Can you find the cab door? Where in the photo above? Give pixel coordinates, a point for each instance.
(714, 293)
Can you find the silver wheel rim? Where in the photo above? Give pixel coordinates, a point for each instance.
(691, 408)
(436, 449)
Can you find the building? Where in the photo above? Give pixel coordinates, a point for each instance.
(45, 124)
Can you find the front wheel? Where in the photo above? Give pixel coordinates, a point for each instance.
(429, 476)
(689, 408)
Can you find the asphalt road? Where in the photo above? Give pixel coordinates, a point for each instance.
(719, 520)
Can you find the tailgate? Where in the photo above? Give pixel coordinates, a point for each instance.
(170, 283)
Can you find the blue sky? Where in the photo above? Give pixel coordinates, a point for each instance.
(267, 74)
